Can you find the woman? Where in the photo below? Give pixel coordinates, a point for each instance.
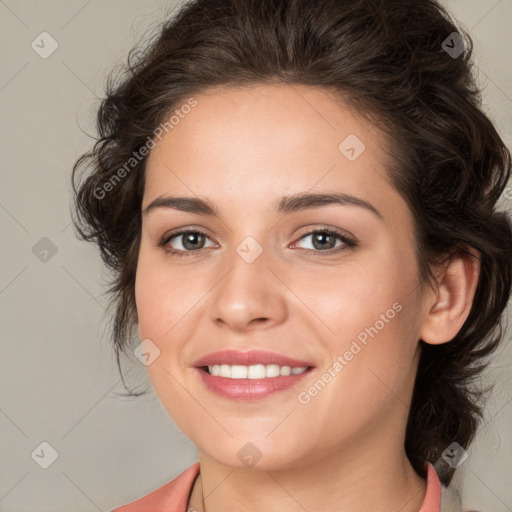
(298, 201)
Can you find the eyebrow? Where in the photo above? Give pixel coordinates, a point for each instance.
(287, 204)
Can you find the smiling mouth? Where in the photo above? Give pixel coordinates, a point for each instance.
(256, 371)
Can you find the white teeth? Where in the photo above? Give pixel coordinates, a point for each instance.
(256, 371)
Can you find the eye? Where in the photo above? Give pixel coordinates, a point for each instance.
(187, 241)
(324, 240)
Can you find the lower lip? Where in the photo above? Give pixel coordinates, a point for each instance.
(250, 389)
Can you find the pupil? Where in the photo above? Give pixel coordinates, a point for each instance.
(190, 238)
(321, 236)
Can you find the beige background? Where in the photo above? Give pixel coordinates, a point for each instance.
(58, 378)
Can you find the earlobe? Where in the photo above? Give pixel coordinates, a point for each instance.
(448, 307)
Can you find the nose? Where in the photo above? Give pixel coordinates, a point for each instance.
(249, 296)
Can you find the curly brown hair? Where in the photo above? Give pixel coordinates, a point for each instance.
(390, 62)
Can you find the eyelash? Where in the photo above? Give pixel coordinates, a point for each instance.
(348, 243)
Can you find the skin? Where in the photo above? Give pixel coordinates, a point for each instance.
(243, 149)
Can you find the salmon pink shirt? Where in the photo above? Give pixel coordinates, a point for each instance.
(173, 496)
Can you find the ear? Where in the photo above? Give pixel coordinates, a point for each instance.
(447, 307)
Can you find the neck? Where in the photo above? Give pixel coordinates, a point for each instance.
(357, 481)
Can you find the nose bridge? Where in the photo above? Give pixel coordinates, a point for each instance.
(249, 290)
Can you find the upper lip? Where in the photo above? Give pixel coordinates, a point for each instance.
(248, 358)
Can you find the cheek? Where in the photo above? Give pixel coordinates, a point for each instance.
(166, 306)
(158, 297)
(158, 312)
(345, 301)
(387, 334)
(371, 311)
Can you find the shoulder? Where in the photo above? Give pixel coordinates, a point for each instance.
(170, 497)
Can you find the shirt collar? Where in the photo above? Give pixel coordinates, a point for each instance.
(432, 499)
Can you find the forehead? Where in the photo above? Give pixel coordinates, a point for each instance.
(253, 141)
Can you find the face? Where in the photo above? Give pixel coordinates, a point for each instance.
(331, 284)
